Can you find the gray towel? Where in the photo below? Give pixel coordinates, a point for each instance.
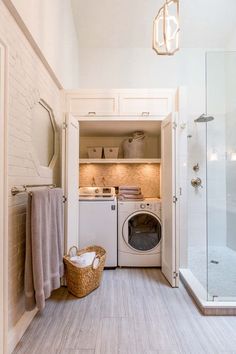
(127, 191)
(124, 196)
(44, 246)
(133, 188)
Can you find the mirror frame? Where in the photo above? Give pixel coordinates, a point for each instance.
(46, 171)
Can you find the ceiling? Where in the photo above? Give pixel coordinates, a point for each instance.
(128, 23)
(119, 128)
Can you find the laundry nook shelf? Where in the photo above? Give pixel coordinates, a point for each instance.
(84, 161)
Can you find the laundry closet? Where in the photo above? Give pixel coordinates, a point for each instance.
(110, 167)
(98, 125)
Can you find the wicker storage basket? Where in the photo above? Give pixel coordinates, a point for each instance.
(95, 152)
(111, 152)
(82, 281)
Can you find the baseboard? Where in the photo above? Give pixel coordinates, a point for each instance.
(19, 329)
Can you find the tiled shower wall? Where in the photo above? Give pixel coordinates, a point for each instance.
(146, 176)
(28, 81)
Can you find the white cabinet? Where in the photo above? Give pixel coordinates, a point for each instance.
(92, 104)
(145, 104)
(120, 104)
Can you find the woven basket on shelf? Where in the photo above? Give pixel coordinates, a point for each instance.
(82, 281)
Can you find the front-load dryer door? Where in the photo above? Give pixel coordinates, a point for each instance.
(142, 232)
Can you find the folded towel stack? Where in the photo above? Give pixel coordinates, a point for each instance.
(130, 193)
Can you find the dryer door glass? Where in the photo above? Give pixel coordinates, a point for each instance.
(144, 232)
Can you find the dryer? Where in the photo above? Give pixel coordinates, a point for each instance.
(139, 233)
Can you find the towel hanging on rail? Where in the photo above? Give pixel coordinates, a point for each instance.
(44, 246)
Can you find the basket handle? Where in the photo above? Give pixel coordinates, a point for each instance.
(69, 252)
(96, 257)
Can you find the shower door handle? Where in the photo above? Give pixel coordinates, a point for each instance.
(196, 182)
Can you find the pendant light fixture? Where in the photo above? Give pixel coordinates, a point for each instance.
(166, 29)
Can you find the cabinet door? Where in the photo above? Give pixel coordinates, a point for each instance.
(92, 105)
(147, 104)
(70, 180)
(170, 242)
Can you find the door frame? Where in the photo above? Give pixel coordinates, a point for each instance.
(3, 200)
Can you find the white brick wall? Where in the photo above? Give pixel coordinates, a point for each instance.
(28, 81)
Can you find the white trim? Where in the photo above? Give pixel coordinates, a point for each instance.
(46, 171)
(182, 176)
(200, 294)
(120, 160)
(3, 201)
(19, 329)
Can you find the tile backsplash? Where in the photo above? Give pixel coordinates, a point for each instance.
(146, 176)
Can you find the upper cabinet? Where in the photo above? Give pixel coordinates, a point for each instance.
(93, 104)
(145, 104)
(120, 104)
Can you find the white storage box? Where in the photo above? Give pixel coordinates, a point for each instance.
(95, 152)
(111, 152)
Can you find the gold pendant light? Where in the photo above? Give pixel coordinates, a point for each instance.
(166, 29)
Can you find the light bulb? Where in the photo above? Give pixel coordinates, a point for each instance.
(214, 156)
(233, 156)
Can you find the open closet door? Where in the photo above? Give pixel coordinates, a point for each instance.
(169, 200)
(70, 173)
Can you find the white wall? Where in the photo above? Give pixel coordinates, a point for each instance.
(28, 81)
(139, 68)
(51, 23)
(126, 68)
(231, 45)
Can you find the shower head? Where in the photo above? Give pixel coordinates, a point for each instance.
(204, 119)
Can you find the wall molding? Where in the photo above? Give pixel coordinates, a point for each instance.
(13, 11)
(4, 200)
(19, 329)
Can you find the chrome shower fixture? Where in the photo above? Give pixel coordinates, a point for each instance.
(203, 119)
(196, 167)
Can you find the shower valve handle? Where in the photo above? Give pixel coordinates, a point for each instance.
(196, 182)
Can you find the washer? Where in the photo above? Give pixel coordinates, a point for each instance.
(139, 233)
(98, 220)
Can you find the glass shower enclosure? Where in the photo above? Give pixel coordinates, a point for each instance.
(211, 187)
(221, 176)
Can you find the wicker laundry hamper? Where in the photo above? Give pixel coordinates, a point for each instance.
(82, 281)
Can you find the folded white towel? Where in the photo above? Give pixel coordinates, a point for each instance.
(84, 260)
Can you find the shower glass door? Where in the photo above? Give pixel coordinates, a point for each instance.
(221, 175)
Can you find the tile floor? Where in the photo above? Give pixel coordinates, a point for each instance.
(134, 311)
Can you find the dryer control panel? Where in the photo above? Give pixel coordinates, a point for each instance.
(152, 205)
(149, 206)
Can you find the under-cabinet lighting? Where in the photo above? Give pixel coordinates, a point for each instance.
(166, 29)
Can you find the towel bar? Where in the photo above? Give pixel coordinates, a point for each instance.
(17, 190)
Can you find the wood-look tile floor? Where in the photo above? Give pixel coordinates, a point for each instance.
(134, 311)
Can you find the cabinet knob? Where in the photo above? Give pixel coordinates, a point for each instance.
(145, 113)
(91, 113)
